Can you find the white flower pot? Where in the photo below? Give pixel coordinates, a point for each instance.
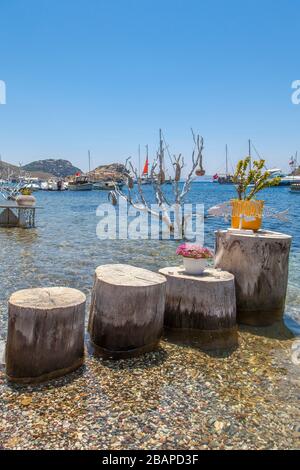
(194, 266)
(26, 201)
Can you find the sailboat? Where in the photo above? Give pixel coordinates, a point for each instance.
(80, 183)
(145, 178)
(227, 178)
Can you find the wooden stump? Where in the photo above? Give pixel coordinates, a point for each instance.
(127, 309)
(200, 309)
(45, 333)
(259, 262)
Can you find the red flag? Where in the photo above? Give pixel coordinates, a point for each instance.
(146, 167)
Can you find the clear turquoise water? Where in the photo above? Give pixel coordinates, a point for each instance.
(64, 250)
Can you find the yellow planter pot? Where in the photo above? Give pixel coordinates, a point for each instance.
(242, 210)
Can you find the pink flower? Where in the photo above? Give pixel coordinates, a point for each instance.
(191, 250)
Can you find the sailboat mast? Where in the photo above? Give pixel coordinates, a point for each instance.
(226, 150)
(139, 158)
(249, 142)
(147, 156)
(161, 152)
(89, 155)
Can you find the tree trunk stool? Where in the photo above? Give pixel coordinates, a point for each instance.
(259, 262)
(45, 333)
(127, 309)
(200, 310)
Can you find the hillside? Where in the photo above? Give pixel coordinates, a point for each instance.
(297, 172)
(6, 169)
(12, 171)
(47, 169)
(59, 168)
(113, 171)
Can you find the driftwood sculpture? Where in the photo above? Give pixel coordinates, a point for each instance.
(164, 202)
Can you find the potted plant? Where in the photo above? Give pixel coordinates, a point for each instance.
(246, 210)
(194, 257)
(26, 198)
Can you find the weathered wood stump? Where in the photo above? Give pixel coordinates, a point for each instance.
(127, 310)
(259, 262)
(200, 309)
(45, 333)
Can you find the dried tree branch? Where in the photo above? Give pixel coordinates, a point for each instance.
(157, 176)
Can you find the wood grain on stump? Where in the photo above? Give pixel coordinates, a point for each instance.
(45, 333)
(259, 262)
(127, 309)
(201, 309)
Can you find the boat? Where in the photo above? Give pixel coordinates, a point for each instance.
(295, 188)
(227, 178)
(145, 181)
(61, 185)
(52, 185)
(80, 183)
(119, 183)
(145, 178)
(285, 180)
(32, 186)
(30, 183)
(104, 185)
(44, 186)
(169, 181)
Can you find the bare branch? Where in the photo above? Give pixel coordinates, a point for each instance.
(157, 174)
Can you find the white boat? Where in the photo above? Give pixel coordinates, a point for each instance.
(286, 180)
(145, 180)
(80, 183)
(61, 185)
(44, 186)
(295, 188)
(52, 185)
(104, 185)
(33, 186)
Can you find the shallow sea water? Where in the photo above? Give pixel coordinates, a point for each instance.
(177, 397)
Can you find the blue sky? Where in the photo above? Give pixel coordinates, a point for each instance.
(104, 75)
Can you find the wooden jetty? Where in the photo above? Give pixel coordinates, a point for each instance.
(14, 215)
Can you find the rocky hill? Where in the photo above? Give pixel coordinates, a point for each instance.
(47, 169)
(59, 168)
(6, 170)
(113, 171)
(297, 172)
